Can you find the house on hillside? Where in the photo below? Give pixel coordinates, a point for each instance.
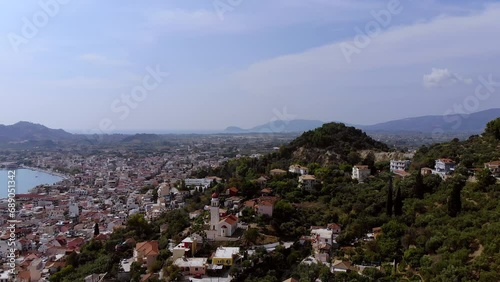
(360, 172)
(265, 205)
(192, 266)
(277, 172)
(146, 252)
(444, 167)
(425, 171)
(233, 191)
(307, 182)
(298, 169)
(225, 256)
(403, 165)
(401, 173)
(494, 167)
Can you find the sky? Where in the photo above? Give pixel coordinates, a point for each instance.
(108, 66)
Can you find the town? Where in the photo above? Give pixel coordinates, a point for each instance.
(210, 226)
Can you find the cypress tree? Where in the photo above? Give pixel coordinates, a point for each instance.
(455, 200)
(419, 188)
(389, 198)
(398, 203)
(96, 229)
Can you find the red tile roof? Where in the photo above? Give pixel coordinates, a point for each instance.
(149, 248)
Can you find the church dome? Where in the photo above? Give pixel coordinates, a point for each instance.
(215, 195)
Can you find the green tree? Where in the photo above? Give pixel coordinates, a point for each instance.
(251, 235)
(485, 179)
(136, 270)
(389, 202)
(140, 226)
(419, 187)
(155, 195)
(96, 229)
(398, 203)
(59, 276)
(455, 199)
(369, 160)
(353, 158)
(493, 129)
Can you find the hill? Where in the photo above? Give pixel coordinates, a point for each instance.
(471, 153)
(435, 229)
(472, 123)
(332, 143)
(26, 131)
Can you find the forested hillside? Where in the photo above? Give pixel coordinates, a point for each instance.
(434, 230)
(428, 229)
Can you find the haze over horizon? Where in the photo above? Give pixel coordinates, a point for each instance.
(241, 65)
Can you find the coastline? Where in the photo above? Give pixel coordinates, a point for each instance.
(58, 174)
(62, 177)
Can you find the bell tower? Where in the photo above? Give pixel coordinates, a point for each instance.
(214, 211)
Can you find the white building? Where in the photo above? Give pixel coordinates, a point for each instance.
(192, 266)
(323, 235)
(163, 190)
(225, 227)
(494, 167)
(400, 165)
(200, 182)
(73, 210)
(360, 172)
(214, 212)
(307, 182)
(298, 169)
(444, 167)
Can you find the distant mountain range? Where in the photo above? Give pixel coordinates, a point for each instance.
(279, 126)
(475, 122)
(27, 131)
(471, 123)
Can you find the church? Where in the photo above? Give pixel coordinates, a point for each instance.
(226, 226)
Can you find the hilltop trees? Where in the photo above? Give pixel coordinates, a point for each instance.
(493, 129)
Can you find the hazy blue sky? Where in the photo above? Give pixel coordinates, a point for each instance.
(72, 64)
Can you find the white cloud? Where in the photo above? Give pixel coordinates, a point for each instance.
(417, 45)
(439, 77)
(443, 77)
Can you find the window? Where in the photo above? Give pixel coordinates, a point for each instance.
(196, 269)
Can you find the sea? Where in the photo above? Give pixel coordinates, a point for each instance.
(25, 180)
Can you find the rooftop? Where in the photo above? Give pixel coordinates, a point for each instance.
(226, 252)
(190, 262)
